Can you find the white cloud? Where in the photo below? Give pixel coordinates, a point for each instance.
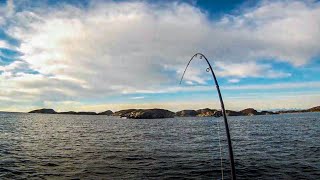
(249, 69)
(285, 30)
(10, 8)
(137, 97)
(307, 85)
(234, 80)
(137, 47)
(201, 88)
(4, 44)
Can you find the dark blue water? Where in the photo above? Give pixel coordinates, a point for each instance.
(35, 146)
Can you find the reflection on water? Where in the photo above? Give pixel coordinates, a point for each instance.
(88, 147)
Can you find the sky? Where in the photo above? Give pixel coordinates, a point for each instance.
(100, 55)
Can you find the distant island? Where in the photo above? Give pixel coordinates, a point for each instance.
(163, 113)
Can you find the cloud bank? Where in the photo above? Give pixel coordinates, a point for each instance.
(69, 53)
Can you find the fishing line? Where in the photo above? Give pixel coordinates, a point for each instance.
(220, 147)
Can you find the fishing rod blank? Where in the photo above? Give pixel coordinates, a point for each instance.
(233, 169)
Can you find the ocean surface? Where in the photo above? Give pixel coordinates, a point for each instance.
(36, 146)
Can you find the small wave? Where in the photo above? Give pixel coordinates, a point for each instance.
(138, 158)
(51, 164)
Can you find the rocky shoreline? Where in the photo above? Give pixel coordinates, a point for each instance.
(163, 113)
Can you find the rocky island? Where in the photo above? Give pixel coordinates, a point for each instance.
(51, 111)
(108, 113)
(145, 113)
(44, 111)
(314, 109)
(217, 113)
(163, 113)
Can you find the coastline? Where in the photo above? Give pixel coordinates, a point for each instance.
(156, 113)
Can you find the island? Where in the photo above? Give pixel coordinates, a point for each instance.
(156, 113)
(52, 111)
(145, 113)
(107, 112)
(44, 111)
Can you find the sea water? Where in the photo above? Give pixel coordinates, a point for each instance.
(40, 146)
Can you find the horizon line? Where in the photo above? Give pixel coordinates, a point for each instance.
(272, 110)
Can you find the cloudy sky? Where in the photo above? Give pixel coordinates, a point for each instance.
(99, 55)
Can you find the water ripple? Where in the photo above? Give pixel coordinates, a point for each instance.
(35, 146)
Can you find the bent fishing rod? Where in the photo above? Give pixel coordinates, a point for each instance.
(233, 169)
